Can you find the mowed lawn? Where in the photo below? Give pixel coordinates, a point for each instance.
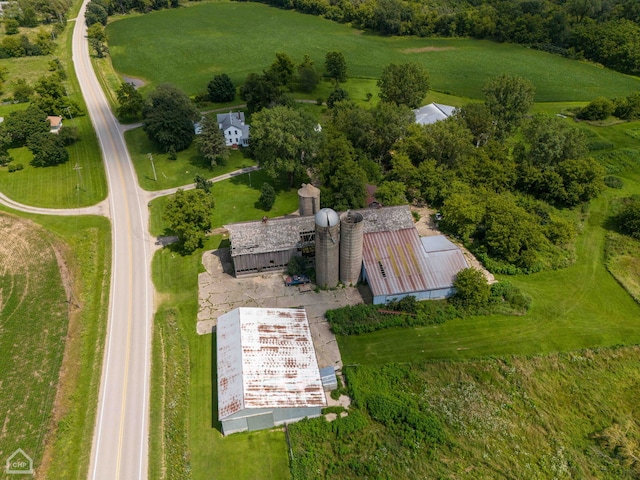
(179, 172)
(574, 308)
(77, 183)
(236, 200)
(240, 38)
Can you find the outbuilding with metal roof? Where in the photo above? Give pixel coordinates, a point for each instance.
(267, 369)
(400, 263)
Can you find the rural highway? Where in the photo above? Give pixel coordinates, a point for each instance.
(120, 443)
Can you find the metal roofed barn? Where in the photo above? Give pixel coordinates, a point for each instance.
(397, 264)
(267, 369)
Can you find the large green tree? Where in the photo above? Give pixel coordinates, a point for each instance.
(307, 75)
(168, 118)
(130, 102)
(508, 98)
(22, 124)
(188, 213)
(284, 141)
(221, 89)
(260, 91)
(629, 217)
(48, 149)
(336, 66)
(404, 84)
(211, 142)
(342, 179)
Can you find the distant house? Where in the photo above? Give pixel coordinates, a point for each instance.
(433, 113)
(236, 133)
(55, 123)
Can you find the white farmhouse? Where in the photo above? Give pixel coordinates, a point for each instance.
(236, 133)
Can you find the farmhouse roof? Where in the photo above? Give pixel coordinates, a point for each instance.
(231, 119)
(266, 359)
(433, 113)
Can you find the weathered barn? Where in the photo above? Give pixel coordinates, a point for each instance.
(267, 369)
(268, 245)
(400, 263)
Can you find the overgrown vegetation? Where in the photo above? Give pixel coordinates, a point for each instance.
(501, 297)
(558, 416)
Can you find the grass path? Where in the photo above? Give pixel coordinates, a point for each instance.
(574, 308)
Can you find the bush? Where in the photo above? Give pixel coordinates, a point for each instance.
(613, 182)
(599, 109)
(16, 167)
(472, 289)
(267, 196)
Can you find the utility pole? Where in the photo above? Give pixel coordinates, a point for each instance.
(77, 168)
(153, 166)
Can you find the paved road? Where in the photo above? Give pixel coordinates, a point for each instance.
(120, 444)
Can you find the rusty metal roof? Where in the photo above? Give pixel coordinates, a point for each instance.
(396, 263)
(266, 359)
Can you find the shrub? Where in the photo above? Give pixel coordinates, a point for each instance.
(16, 167)
(598, 109)
(613, 182)
(472, 289)
(267, 196)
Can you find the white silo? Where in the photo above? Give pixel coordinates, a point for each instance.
(351, 234)
(327, 248)
(308, 200)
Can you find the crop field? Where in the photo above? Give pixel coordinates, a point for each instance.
(556, 416)
(35, 313)
(240, 38)
(33, 324)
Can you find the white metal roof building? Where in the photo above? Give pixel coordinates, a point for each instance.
(400, 263)
(433, 113)
(267, 369)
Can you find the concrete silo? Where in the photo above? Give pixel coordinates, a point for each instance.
(351, 232)
(308, 200)
(327, 248)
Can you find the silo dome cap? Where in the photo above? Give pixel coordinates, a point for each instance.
(327, 218)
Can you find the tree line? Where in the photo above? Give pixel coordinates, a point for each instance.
(604, 31)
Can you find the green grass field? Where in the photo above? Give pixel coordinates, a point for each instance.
(179, 172)
(61, 186)
(236, 200)
(240, 38)
(40, 322)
